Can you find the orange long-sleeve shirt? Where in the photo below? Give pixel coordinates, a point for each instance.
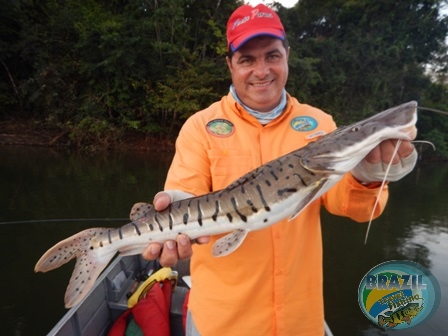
(272, 284)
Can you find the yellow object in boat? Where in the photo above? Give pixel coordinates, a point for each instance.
(160, 275)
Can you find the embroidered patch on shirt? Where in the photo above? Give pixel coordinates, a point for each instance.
(220, 127)
(304, 124)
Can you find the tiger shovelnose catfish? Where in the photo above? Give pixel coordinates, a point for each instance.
(276, 190)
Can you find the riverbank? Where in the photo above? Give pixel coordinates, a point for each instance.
(29, 134)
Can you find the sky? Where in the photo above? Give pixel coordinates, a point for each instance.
(285, 3)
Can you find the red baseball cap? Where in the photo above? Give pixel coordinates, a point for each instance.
(247, 22)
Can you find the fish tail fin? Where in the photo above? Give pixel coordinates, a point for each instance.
(90, 262)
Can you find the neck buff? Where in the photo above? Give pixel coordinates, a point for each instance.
(263, 117)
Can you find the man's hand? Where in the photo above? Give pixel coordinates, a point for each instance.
(172, 251)
(383, 152)
(373, 167)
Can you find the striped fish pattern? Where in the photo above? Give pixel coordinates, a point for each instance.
(274, 191)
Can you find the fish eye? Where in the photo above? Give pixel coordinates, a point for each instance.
(356, 129)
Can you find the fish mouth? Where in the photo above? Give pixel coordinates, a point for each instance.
(333, 160)
(329, 164)
(339, 163)
(411, 132)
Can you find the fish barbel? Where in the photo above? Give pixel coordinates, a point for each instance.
(274, 191)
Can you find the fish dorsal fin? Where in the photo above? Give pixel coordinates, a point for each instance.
(307, 196)
(139, 210)
(229, 243)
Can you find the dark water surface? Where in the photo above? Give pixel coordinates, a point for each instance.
(45, 184)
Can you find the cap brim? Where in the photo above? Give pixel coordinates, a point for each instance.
(238, 42)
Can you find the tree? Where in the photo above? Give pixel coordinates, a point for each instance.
(371, 55)
(97, 68)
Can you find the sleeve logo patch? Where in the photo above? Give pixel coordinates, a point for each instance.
(220, 127)
(303, 124)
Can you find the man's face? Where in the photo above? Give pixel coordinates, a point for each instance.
(259, 72)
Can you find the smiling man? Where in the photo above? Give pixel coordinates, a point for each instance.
(260, 71)
(272, 284)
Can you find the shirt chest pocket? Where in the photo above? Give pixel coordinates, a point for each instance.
(226, 165)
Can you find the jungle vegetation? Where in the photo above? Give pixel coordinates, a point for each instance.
(98, 69)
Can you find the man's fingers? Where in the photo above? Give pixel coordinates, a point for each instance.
(169, 256)
(374, 156)
(161, 201)
(152, 251)
(406, 149)
(184, 249)
(203, 240)
(387, 150)
(384, 151)
(173, 251)
(388, 147)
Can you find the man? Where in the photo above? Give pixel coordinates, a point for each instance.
(272, 284)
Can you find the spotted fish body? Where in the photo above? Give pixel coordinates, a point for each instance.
(279, 189)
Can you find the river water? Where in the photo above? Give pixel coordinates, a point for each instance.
(49, 185)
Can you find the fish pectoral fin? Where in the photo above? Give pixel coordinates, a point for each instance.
(139, 210)
(307, 195)
(229, 243)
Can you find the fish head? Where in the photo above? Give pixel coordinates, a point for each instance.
(412, 309)
(341, 150)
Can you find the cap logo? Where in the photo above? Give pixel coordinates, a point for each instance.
(247, 22)
(256, 14)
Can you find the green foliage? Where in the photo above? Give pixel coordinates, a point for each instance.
(98, 68)
(371, 54)
(439, 140)
(93, 134)
(433, 126)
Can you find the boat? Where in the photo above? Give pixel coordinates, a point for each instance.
(108, 299)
